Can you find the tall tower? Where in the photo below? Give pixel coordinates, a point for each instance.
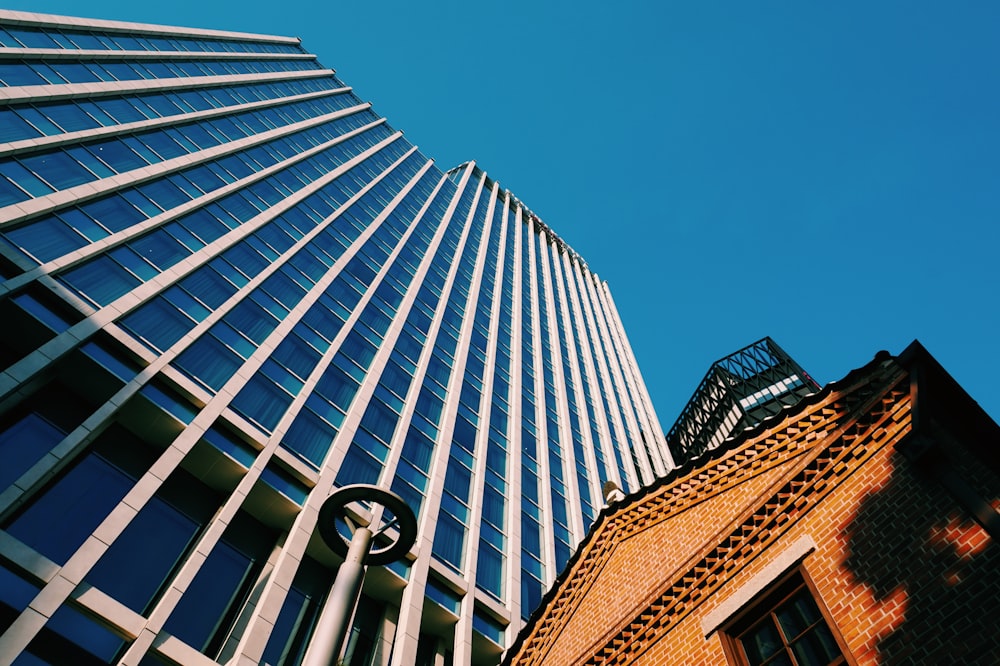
(228, 286)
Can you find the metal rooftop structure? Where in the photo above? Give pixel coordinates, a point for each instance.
(739, 391)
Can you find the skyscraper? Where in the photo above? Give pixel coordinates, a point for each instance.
(228, 286)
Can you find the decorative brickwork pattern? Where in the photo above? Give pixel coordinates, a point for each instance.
(900, 565)
(796, 464)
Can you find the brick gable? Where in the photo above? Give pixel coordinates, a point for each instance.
(649, 573)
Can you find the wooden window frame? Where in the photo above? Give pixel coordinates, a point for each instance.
(765, 602)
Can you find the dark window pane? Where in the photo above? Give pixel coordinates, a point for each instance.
(788, 621)
(358, 467)
(69, 117)
(493, 507)
(531, 595)
(113, 212)
(203, 225)
(797, 615)
(117, 155)
(46, 239)
(210, 361)
(380, 420)
(233, 339)
(298, 614)
(209, 595)
(816, 647)
(208, 287)
(297, 356)
(164, 194)
(251, 320)
(457, 479)
(122, 110)
(17, 74)
(262, 402)
(82, 639)
(449, 539)
(102, 280)
(57, 169)
(15, 128)
(33, 39)
(74, 72)
(337, 387)
(490, 570)
(159, 249)
(10, 193)
(139, 561)
(158, 322)
(23, 444)
(26, 180)
(59, 521)
(164, 146)
(85, 40)
(309, 436)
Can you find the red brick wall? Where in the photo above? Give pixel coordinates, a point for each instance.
(650, 555)
(905, 574)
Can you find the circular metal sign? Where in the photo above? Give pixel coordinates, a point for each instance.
(334, 508)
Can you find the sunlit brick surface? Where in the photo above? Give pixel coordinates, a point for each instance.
(906, 574)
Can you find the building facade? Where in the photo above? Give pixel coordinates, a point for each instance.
(738, 392)
(228, 286)
(858, 527)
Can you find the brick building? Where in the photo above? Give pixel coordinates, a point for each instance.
(856, 527)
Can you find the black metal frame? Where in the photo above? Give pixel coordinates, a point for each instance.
(703, 425)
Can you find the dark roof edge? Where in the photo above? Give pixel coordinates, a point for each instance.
(941, 404)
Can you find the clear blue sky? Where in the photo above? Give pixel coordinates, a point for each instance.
(826, 175)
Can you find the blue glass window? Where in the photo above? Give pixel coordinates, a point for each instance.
(58, 169)
(251, 320)
(221, 585)
(380, 420)
(18, 74)
(23, 444)
(531, 595)
(443, 596)
(208, 287)
(309, 436)
(46, 239)
(158, 322)
(261, 401)
(164, 194)
(24, 179)
(9, 192)
(38, 120)
(60, 519)
(337, 386)
(490, 575)
(139, 563)
(234, 339)
(113, 212)
(359, 467)
(122, 110)
(70, 117)
(159, 249)
(297, 356)
(120, 367)
(32, 39)
(102, 280)
(449, 539)
(210, 361)
(74, 72)
(291, 631)
(117, 155)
